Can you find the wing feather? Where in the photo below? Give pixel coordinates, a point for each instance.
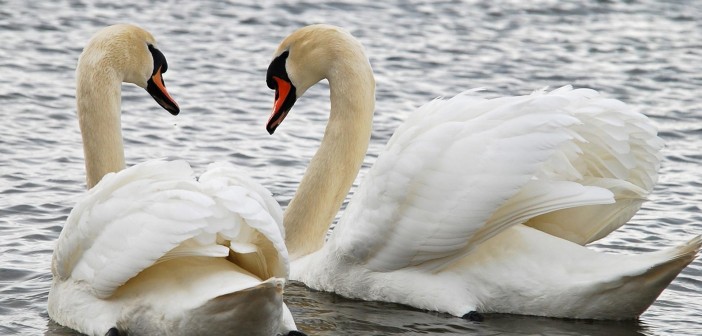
(461, 170)
(619, 151)
(157, 211)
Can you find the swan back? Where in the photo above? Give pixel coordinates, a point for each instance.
(460, 171)
(156, 211)
(152, 250)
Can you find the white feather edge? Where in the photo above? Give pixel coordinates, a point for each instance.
(387, 229)
(156, 211)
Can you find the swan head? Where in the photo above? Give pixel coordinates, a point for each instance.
(130, 53)
(305, 57)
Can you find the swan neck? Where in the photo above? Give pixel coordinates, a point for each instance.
(98, 97)
(334, 167)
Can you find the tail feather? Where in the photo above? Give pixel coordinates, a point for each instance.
(254, 311)
(690, 249)
(681, 256)
(672, 263)
(638, 290)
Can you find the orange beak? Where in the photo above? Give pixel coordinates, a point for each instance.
(157, 89)
(284, 100)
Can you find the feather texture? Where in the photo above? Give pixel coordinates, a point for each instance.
(441, 220)
(476, 204)
(149, 250)
(130, 238)
(156, 210)
(461, 170)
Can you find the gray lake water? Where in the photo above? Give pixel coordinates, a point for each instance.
(647, 53)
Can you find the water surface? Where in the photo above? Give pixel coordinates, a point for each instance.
(647, 53)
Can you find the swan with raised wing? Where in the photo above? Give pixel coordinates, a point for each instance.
(150, 250)
(475, 205)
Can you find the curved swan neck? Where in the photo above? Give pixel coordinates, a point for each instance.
(334, 167)
(98, 97)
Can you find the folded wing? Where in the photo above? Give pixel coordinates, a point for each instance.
(157, 211)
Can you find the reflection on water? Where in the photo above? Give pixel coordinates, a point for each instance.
(646, 53)
(321, 313)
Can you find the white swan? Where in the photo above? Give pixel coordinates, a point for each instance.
(476, 205)
(150, 250)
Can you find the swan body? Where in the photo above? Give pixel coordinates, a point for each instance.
(150, 249)
(475, 205)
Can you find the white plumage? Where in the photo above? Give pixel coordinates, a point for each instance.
(477, 204)
(152, 239)
(150, 250)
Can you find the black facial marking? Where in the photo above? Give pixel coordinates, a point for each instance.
(113, 332)
(277, 72)
(158, 92)
(277, 69)
(159, 60)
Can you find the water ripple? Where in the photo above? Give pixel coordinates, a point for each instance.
(646, 53)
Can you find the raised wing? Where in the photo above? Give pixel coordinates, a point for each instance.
(157, 211)
(619, 151)
(449, 178)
